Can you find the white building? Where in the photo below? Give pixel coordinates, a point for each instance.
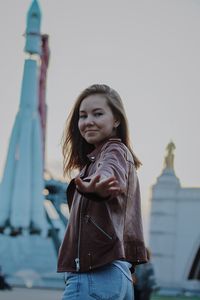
(175, 231)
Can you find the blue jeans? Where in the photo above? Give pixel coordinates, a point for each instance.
(105, 283)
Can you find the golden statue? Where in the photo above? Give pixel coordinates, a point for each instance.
(169, 159)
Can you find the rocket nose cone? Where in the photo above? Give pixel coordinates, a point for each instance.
(34, 9)
(33, 24)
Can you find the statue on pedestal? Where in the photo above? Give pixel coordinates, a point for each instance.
(169, 159)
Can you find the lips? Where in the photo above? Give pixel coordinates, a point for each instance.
(90, 131)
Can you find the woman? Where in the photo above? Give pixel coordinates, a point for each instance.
(104, 236)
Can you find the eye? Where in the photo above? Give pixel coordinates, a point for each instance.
(82, 116)
(98, 114)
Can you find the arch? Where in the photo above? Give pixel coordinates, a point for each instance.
(194, 272)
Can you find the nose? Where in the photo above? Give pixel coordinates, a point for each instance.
(89, 121)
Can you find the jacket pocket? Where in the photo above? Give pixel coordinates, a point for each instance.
(90, 220)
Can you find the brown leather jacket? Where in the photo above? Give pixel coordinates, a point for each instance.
(101, 230)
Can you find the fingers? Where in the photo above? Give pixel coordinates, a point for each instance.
(109, 179)
(109, 187)
(109, 183)
(105, 187)
(79, 184)
(94, 180)
(87, 187)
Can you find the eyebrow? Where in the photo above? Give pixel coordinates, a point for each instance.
(95, 109)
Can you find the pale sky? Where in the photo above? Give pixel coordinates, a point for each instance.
(149, 51)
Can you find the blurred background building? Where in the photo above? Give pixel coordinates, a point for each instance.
(175, 231)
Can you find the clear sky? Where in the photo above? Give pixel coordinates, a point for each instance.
(149, 51)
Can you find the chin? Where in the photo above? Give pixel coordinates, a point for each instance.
(92, 141)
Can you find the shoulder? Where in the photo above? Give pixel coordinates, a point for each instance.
(115, 145)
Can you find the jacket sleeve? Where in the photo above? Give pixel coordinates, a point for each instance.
(112, 162)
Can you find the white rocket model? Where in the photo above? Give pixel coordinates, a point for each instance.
(21, 194)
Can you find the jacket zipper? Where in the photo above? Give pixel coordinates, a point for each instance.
(88, 218)
(77, 259)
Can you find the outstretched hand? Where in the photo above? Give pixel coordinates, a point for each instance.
(102, 187)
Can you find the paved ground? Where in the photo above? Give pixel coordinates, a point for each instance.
(30, 294)
(44, 294)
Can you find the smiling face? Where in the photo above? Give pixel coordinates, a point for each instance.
(97, 122)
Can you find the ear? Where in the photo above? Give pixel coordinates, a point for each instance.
(117, 122)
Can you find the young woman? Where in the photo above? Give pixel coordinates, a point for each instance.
(104, 237)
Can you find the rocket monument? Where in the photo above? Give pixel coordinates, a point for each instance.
(21, 193)
(30, 227)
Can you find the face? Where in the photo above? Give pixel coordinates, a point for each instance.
(97, 122)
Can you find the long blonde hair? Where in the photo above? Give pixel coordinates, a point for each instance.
(74, 147)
